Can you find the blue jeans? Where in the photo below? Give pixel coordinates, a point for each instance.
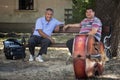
(35, 40)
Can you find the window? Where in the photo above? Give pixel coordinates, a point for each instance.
(68, 16)
(26, 4)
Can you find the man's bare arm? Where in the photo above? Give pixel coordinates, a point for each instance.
(45, 35)
(70, 25)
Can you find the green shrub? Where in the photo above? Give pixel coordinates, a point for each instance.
(79, 7)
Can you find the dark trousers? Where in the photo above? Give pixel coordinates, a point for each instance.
(35, 40)
(69, 44)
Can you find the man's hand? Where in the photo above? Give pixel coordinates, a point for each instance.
(52, 40)
(90, 34)
(93, 31)
(65, 27)
(45, 36)
(57, 28)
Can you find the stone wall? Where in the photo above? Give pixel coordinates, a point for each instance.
(12, 19)
(9, 10)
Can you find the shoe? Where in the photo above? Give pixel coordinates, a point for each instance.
(39, 59)
(31, 58)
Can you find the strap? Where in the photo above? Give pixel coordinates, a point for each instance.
(15, 41)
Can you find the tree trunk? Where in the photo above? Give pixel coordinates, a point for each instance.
(108, 12)
(115, 39)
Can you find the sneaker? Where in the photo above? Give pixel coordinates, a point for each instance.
(39, 59)
(31, 58)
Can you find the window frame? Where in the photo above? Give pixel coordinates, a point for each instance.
(22, 5)
(35, 5)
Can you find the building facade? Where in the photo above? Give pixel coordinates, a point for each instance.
(22, 12)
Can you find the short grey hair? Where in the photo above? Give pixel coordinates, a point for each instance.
(50, 9)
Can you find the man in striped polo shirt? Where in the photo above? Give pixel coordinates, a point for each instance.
(91, 25)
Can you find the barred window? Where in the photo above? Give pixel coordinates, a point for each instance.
(26, 4)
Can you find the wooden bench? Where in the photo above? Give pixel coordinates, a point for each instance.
(69, 30)
(61, 45)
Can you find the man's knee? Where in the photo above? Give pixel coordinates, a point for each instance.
(46, 41)
(31, 41)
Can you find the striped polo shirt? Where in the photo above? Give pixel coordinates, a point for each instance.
(87, 24)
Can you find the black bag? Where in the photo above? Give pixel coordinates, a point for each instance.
(13, 49)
